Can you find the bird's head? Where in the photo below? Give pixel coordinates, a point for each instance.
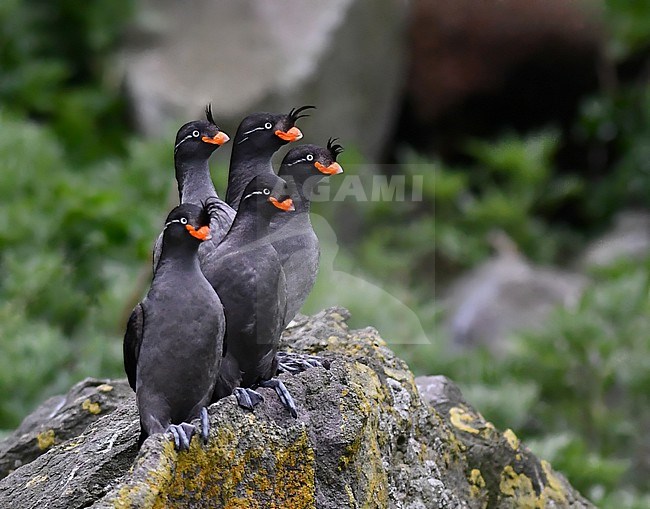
(199, 138)
(187, 223)
(268, 194)
(270, 130)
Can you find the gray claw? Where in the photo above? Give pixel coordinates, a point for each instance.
(177, 439)
(182, 434)
(282, 393)
(247, 398)
(295, 363)
(205, 425)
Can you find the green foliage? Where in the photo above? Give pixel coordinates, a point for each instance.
(629, 28)
(592, 368)
(509, 185)
(621, 121)
(54, 58)
(72, 241)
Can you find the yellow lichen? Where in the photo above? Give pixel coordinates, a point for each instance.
(236, 478)
(519, 487)
(399, 375)
(105, 388)
(476, 478)
(512, 439)
(73, 444)
(477, 483)
(91, 407)
(366, 449)
(36, 480)
(350, 494)
(477, 489)
(462, 420)
(144, 494)
(295, 477)
(45, 439)
(554, 490)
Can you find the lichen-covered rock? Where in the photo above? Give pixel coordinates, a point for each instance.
(60, 418)
(364, 437)
(502, 471)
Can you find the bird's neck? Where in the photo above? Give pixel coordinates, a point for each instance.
(182, 258)
(194, 181)
(300, 195)
(243, 168)
(250, 225)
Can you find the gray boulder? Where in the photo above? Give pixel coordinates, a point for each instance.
(345, 56)
(507, 294)
(627, 240)
(364, 437)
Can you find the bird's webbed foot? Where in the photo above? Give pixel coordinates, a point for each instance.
(247, 398)
(295, 363)
(182, 434)
(282, 393)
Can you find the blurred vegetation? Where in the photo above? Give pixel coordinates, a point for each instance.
(83, 199)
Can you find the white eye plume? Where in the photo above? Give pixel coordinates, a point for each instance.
(268, 125)
(310, 157)
(195, 133)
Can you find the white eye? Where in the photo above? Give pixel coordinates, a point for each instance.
(268, 125)
(310, 157)
(267, 191)
(183, 220)
(195, 133)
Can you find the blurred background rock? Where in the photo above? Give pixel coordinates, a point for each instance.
(522, 272)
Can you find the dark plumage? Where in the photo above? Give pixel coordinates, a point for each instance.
(195, 143)
(292, 234)
(258, 137)
(246, 272)
(174, 338)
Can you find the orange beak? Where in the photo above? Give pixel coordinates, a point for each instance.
(293, 134)
(286, 205)
(333, 169)
(202, 233)
(219, 139)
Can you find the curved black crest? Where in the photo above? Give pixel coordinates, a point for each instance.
(334, 148)
(210, 206)
(208, 114)
(294, 114)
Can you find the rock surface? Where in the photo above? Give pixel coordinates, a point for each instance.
(364, 437)
(60, 418)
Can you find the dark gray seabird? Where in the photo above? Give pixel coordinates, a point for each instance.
(292, 235)
(246, 273)
(173, 344)
(258, 137)
(196, 141)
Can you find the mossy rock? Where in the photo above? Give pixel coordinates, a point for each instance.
(365, 436)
